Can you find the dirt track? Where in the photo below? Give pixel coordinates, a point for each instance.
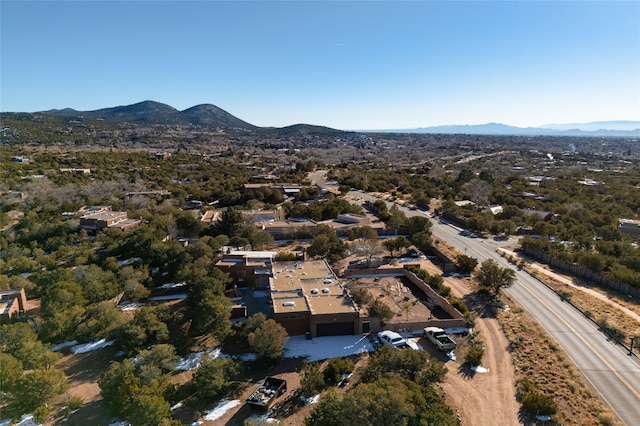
(483, 398)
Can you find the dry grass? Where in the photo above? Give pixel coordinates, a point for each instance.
(605, 313)
(539, 359)
(602, 312)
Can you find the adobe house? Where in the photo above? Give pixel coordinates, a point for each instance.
(96, 219)
(308, 298)
(248, 268)
(12, 303)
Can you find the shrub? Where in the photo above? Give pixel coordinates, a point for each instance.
(336, 368)
(41, 414)
(381, 311)
(361, 296)
(474, 355)
(538, 404)
(459, 304)
(73, 402)
(312, 380)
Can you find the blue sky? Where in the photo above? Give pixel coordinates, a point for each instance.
(347, 65)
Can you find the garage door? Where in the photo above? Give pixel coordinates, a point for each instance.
(334, 329)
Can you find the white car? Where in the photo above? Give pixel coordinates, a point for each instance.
(395, 340)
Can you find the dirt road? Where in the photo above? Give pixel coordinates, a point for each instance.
(483, 398)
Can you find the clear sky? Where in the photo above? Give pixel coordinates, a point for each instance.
(342, 64)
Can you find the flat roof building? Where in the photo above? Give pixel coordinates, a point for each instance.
(251, 268)
(308, 297)
(95, 222)
(629, 228)
(12, 303)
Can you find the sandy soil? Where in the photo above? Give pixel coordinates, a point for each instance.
(483, 398)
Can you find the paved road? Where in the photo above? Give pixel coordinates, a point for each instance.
(607, 366)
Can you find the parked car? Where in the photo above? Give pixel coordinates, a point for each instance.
(439, 338)
(395, 340)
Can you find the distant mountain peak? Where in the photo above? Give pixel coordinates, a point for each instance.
(602, 128)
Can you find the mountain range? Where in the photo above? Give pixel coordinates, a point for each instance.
(211, 116)
(599, 128)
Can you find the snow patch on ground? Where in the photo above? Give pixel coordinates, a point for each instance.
(173, 285)
(311, 400)
(220, 409)
(322, 348)
(192, 361)
(479, 369)
(88, 347)
(179, 296)
(263, 417)
(247, 357)
(120, 423)
(129, 306)
(59, 346)
(176, 406)
(25, 420)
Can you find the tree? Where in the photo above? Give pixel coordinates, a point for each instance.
(210, 309)
(320, 246)
(34, 389)
(161, 356)
(492, 278)
(260, 239)
(394, 244)
(474, 355)
(329, 412)
(149, 327)
(422, 240)
(417, 366)
(419, 224)
(361, 296)
(363, 233)
(102, 321)
(326, 244)
(19, 341)
(138, 399)
(397, 218)
(380, 310)
(537, 403)
(255, 321)
(368, 249)
(211, 315)
(336, 368)
(268, 340)
(312, 379)
(230, 223)
(386, 402)
(215, 377)
(466, 264)
(10, 372)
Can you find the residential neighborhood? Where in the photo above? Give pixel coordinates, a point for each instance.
(293, 270)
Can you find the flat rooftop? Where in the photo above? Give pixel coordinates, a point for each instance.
(312, 282)
(106, 215)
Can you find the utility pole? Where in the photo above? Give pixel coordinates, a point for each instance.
(631, 345)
